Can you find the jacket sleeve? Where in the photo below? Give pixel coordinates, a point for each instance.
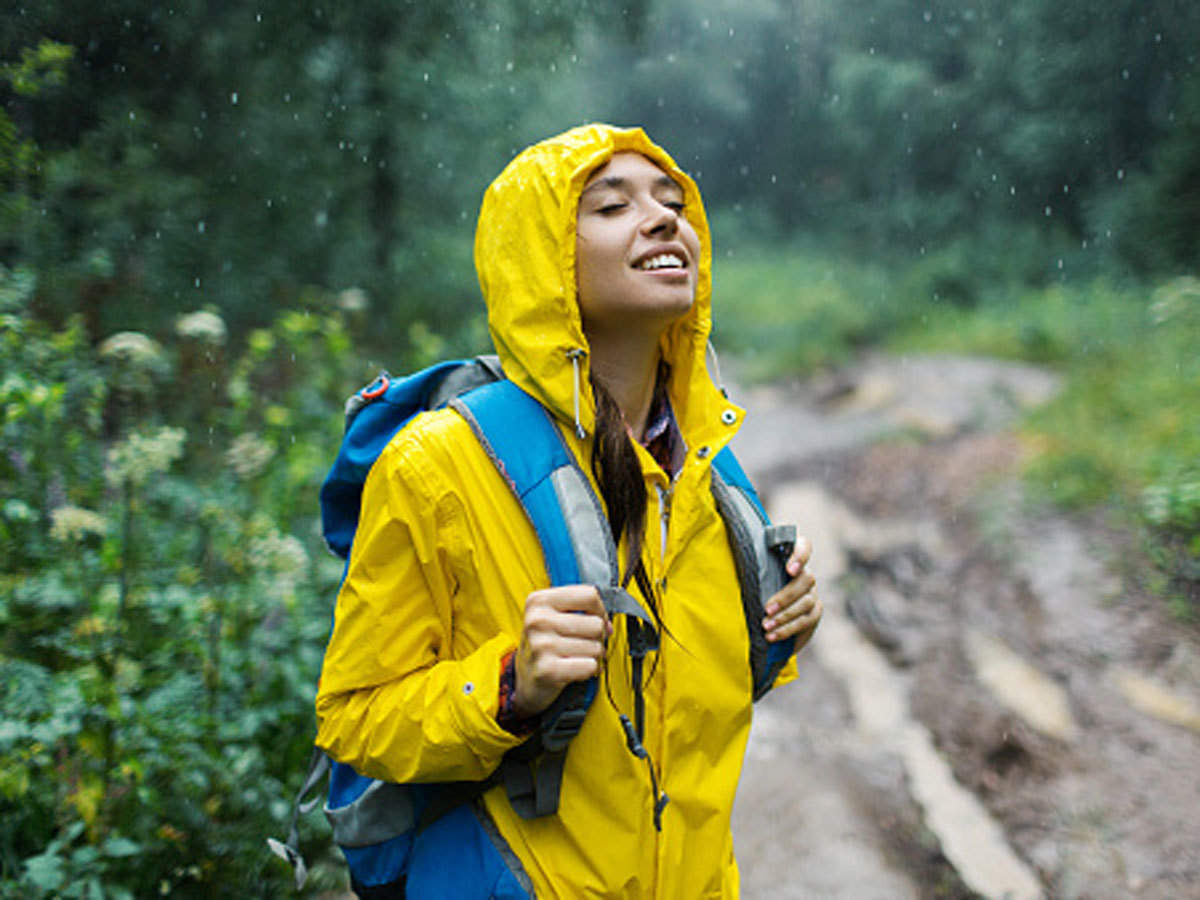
(787, 673)
(392, 701)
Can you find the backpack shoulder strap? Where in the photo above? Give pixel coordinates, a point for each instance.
(760, 551)
(522, 440)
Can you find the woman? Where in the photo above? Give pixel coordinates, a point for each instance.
(593, 255)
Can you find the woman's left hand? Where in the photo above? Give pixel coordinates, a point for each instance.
(796, 609)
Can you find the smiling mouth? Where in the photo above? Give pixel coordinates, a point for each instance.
(661, 261)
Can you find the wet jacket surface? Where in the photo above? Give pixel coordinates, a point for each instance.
(444, 558)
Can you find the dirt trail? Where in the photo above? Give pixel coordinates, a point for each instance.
(988, 710)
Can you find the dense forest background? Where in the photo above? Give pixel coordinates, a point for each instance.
(217, 219)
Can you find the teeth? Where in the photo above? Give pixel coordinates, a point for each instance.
(662, 261)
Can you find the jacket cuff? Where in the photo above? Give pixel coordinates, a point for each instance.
(476, 702)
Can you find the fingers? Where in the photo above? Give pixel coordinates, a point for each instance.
(801, 553)
(563, 641)
(572, 611)
(796, 609)
(799, 618)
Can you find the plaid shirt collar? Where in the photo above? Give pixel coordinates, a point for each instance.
(662, 437)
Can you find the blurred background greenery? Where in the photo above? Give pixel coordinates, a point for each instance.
(218, 219)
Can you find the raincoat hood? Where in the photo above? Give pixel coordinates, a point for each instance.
(525, 259)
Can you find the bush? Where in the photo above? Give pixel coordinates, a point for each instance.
(165, 598)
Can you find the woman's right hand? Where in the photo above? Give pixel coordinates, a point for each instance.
(562, 641)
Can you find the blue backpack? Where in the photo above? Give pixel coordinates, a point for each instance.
(432, 839)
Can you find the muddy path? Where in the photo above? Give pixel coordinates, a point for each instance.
(990, 708)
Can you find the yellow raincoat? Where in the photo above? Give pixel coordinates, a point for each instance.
(444, 558)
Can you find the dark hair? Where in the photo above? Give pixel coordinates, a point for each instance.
(619, 476)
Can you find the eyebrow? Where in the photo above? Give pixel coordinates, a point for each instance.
(618, 183)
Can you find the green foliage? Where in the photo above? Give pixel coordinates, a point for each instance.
(785, 311)
(234, 164)
(164, 600)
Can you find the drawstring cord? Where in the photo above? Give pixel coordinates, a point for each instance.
(575, 355)
(710, 352)
(641, 640)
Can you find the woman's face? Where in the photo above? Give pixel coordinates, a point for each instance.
(637, 257)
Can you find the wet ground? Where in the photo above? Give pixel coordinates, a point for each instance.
(991, 707)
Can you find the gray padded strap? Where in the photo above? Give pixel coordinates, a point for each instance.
(744, 527)
(591, 537)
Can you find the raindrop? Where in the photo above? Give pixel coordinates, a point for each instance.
(1120, 174)
(132, 116)
(425, 77)
(201, 226)
(197, 282)
(1125, 74)
(508, 66)
(1060, 265)
(1066, 189)
(233, 98)
(1047, 211)
(258, 17)
(1012, 190)
(928, 16)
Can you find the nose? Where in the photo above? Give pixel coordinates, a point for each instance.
(660, 219)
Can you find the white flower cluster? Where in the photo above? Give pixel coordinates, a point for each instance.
(134, 349)
(282, 559)
(278, 554)
(202, 326)
(249, 455)
(73, 523)
(140, 456)
(353, 300)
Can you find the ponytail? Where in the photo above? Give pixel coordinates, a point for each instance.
(619, 475)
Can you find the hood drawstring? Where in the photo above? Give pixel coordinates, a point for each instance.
(575, 355)
(710, 352)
